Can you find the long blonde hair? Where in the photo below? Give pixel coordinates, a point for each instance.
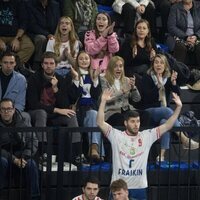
(72, 37)
(166, 73)
(110, 70)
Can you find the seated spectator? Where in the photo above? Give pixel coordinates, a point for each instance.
(13, 25)
(119, 190)
(87, 104)
(184, 30)
(133, 10)
(139, 50)
(158, 84)
(90, 190)
(65, 45)
(124, 92)
(101, 43)
(82, 13)
(49, 97)
(163, 8)
(17, 149)
(43, 19)
(13, 84)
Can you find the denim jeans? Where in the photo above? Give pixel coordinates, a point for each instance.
(158, 116)
(94, 137)
(31, 175)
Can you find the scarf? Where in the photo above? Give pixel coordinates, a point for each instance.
(84, 11)
(161, 87)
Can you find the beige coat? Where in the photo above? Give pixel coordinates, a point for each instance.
(120, 101)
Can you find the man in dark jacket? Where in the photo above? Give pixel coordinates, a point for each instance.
(43, 20)
(50, 96)
(17, 148)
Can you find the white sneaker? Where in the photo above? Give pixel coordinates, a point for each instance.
(190, 144)
(160, 159)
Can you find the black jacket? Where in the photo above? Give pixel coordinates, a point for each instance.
(42, 20)
(17, 144)
(67, 93)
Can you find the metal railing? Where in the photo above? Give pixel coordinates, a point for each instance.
(62, 177)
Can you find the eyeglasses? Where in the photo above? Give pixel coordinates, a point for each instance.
(9, 62)
(6, 110)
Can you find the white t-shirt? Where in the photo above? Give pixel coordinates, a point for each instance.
(80, 197)
(64, 63)
(130, 155)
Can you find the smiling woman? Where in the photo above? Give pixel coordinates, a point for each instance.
(101, 43)
(65, 44)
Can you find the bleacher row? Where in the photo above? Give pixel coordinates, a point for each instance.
(178, 180)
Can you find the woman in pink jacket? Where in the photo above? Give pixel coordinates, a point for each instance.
(101, 43)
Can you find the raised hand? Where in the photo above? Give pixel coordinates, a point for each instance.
(174, 77)
(108, 30)
(176, 99)
(107, 95)
(95, 73)
(74, 74)
(132, 82)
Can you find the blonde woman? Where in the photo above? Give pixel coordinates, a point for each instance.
(124, 91)
(155, 89)
(65, 45)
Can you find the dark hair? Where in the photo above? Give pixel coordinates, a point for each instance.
(118, 185)
(148, 40)
(109, 22)
(91, 179)
(130, 114)
(7, 100)
(49, 54)
(9, 53)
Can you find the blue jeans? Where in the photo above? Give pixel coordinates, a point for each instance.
(134, 194)
(31, 175)
(158, 116)
(94, 137)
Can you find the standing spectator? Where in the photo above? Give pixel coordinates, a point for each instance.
(139, 50)
(158, 84)
(17, 149)
(49, 97)
(87, 103)
(43, 19)
(132, 10)
(184, 32)
(101, 43)
(130, 148)
(13, 25)
(13, 84)
(119, 190)
(65, 45)
(82, 13)
(90, 190)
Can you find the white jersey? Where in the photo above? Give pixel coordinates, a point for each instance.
(130, 155)
(81, 197)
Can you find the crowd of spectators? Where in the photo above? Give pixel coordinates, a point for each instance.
(73, 53)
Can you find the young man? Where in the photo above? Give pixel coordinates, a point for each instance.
(13, 84)
(49, 99)
(17, 149)
(90, 190)
(119, 190)
(130, 148)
